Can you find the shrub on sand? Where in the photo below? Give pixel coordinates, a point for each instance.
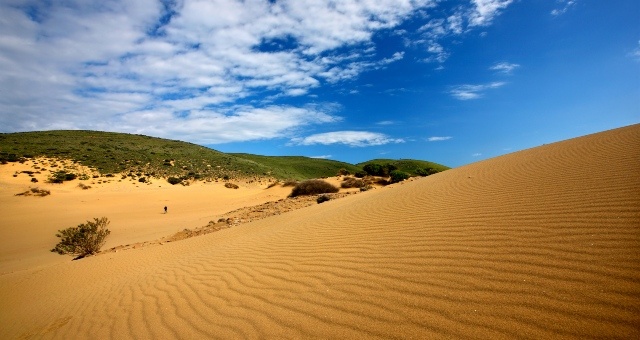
(398, 176)
(231, 186)
(173, 180)
(313, 187)
(323, 198)
(85, 239)
(351, 182)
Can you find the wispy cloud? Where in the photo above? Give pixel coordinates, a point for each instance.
(486, 10)
(386, 122)
(438, 139)
(477, 154)
(565, 5)
(635, 54)
(504, 67)
(350, 138)
(458, 22)
(321, 157)
(468, 92)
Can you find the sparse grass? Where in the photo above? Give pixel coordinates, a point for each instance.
(351, 182)
(84, 186)
(290, 183)
(35, 192)
(313, 187)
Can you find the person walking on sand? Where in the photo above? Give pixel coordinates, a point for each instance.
(165, 209)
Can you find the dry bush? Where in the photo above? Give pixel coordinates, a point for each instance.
(290, 183)
(351, 182)
(85, 239)
(273, 184)
(84, 186)
(231, 186)
(313, 187)
(35, 192)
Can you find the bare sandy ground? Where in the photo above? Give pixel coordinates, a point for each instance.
(542, 243)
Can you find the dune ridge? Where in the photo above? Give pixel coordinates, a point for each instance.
(542, 243)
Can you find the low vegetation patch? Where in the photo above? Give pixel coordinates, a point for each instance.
(173, 180)
(290, 183)
(62, 176)
(313, 187)
(83, 240)
(231, 186)
(35, 192)
(323, 198)
(351, 182)
(398, 176)
(84, 186)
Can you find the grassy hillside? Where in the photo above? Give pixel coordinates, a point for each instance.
(117, 152)
(407, 165)
(110, 152)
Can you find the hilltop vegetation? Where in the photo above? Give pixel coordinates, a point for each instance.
(298, 167)
(111, 153)
(410, 166)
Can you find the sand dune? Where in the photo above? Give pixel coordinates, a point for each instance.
(542, 243)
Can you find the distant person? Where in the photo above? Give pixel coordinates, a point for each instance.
(165, 209)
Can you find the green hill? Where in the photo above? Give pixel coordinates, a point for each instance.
(407, 165)
(110, 152)
(298, 167)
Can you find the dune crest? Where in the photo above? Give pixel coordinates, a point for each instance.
(542, 243)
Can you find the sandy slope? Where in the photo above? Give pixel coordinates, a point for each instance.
(29, 224)
(543, 243)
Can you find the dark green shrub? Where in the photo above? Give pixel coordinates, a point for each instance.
(398, 176)
(313, 187)
(61, 176)
(142, 180)
(360, 174)
(173, 180)
(373, 169)
(85, 239)
(426, 171)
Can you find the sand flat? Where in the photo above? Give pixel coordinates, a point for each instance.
(542, 243)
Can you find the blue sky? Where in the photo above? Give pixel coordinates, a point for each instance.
(447, 81)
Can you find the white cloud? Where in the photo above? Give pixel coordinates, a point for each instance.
(438, 139)
(321, 157)
(486, 10)
(477, 154)
(351, 138)
(181, 69)
(565, 6)
(468, 92)
(504, 67)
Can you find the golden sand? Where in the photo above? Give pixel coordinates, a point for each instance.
(542, 243)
